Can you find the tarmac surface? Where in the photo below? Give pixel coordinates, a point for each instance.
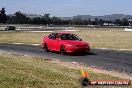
(106, 59)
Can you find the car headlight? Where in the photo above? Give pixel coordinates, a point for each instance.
(87, 46)
(70, 45)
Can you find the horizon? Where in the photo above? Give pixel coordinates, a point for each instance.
(74, 15)
(68, 8)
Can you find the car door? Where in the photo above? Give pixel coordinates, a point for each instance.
(51, 40)
(57, 42)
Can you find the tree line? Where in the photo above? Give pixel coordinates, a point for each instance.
(20, 18)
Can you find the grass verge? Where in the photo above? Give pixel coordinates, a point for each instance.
(22, 71)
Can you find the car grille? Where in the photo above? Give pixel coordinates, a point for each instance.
(81, 46)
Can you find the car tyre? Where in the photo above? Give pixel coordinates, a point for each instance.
(46, 48)
(62, 50)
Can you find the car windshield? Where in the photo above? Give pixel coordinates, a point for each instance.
(69, 37)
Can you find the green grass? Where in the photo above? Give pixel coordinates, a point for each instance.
(106, 38)
(18, 71)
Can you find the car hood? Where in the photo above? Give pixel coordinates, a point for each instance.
(75, 42)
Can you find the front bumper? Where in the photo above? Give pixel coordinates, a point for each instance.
(78, 50)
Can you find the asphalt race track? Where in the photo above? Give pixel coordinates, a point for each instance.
(107, 59)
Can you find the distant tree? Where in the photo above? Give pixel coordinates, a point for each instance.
(125, 22)
(66, 21)
(96, 21)
(56, 20)
(43, 20)
(3, 16)
(29, 20)
(20, 18)
(8, 19)
(47, 18)
(37, 20)
(101, 22)
(89, 22)
(122, 22)
(77, 21)
(117, 22)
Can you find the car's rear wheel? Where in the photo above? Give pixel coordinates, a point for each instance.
(46, 47)
(62, 50)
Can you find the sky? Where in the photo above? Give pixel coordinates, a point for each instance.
(68, 8)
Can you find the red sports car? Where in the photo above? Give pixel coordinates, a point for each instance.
(64, 42)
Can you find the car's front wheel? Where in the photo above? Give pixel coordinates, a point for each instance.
(46, 47)
(62, 50)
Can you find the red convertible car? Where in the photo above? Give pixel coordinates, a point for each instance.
(64, 42)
